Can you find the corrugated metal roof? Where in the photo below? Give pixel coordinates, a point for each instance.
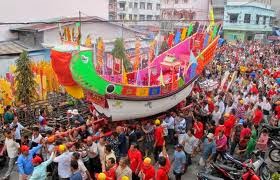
(10, 48)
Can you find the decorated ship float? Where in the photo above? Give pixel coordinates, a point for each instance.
(166, 81)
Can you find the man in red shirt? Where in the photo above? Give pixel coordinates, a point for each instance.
(258, 116)
(164, 166)
(147, 170)
(159, 139)
(198, 129)
(220, 127)
(111, 173)
(229, 123)
(245, 132)
(135, 158)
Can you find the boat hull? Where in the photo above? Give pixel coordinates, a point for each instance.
(120, 109)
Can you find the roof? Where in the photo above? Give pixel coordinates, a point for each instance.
(10, 47)
(53, 23)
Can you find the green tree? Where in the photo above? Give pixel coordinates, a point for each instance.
(119, 52)
(164, 47)
(25, 83)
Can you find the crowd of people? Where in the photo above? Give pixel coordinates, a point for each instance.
(207, 124)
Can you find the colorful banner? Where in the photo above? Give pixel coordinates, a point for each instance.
(142, 92)
(154, 91)
(129, 91)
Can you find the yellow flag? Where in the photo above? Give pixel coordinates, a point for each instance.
(211, 16)
(184, 33)
(124, 77)
(161, 80)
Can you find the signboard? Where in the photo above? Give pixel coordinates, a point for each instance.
(259, 37)
(273, 38)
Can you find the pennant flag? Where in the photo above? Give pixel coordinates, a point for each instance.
(190, 29)
(195, 28)
(215, 31)
(124, 76)
(211, 15)
(206, 39)
(177, 36)
(193, 59)
(138, 78)
(170, 39)
(183, 34)
(161, 80)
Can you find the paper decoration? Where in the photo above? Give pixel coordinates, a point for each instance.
(154, 91)
(129, 91)
(142, 92)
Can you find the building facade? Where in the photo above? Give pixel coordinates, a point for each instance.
(219, 8)
(143, 10)
(247, 20)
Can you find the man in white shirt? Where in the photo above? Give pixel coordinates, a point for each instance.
(92, 150)
(17, 127)
(12, 149)
(64, 160)
(221, 105)
(169, 120)
(216, 115)
(190, 143)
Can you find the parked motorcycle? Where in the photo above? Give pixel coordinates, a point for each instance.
(274, 153)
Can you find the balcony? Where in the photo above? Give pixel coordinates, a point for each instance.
(240, 26)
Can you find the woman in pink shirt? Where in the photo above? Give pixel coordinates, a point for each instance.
(262, 142)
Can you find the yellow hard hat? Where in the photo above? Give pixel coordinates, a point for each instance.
(61, 148)
(147, 161)
(241, 101)
(125, 178)
(101, 176)
(157, 122)
(226, 115)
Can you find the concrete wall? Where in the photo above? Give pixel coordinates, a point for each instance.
(32, 10)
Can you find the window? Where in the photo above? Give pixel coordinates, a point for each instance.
(157, 17)
(258, 19)
(247, 18)
(142, 17)
(142, 5)
(176, 1)
(121, 16)
(130, 17)
(233, 18)
(149, 6)
(122, 6)
(130, 5)
(264, 20)
(270, 21)
(135, 5)
(135, 17)
(158, 6)
(149, 17)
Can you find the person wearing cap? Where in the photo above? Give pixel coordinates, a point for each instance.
(147, 170)
(135, 158)
(123, 169)
(159, 139)
(179, 162)
(24, 162)
(77, 118)
(209, 149)
(240, 110)
(64, 160)
(40, 167)
(12, 149)
(235, 136)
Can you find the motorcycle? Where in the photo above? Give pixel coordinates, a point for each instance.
(249, 171)
(274, 153)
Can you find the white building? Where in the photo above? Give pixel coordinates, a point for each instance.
(138, 9)
(36, 10)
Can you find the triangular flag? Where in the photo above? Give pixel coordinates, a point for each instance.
(124, 76)
(190, 29)
(211, 15)
(193, 59)
(161, 80)
(138, 78)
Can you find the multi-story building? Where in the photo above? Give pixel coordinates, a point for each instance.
(113, 9)
(135, 9)
(184, 11)
(218, 8)
(247, 20)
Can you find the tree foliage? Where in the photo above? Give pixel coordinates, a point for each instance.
(25, 83)
(119, 52)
